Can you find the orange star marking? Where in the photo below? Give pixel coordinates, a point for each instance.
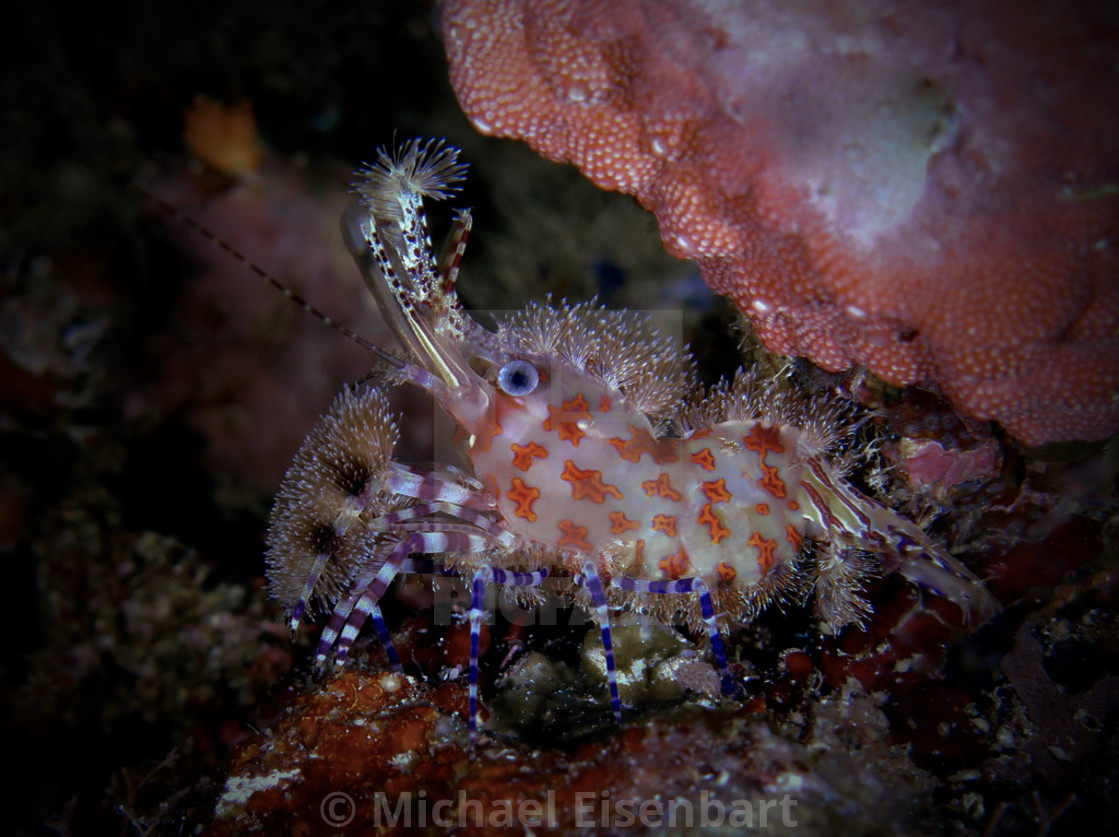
(524, 454)
(660, 487)
(763, 439)
(675, 566)
(665, 523)
(496, 431)
(620, 524)
(604, 405)
(795, 537)
(715, 527)
(793, 505)
(639, 443)
(726, 571)
(716, 491)
(704, 459)
(484, 440)
(765, 546)
(573, 535)
(569, 431)
(578, 404)
(524, 496)
(762, 508)
(588, 485)
(771, 482)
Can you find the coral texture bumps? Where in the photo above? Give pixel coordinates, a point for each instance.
(931, 192)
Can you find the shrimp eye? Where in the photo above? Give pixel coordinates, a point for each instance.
(518, 377)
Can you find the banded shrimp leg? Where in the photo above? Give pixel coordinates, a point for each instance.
(592, 582)
(461, 530)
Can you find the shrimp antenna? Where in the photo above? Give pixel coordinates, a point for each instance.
(208, 234)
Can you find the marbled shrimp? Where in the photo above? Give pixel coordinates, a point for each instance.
(593, 456)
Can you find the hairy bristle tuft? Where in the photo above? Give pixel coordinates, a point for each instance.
(840, 586)
(430, 169)
(335, 484)
(621, 349)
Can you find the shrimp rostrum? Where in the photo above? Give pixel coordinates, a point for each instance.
(591, 455)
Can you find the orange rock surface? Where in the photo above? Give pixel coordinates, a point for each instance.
(929, 191)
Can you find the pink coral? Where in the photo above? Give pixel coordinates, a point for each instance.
(929, 191)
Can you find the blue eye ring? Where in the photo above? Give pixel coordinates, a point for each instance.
(518, 377)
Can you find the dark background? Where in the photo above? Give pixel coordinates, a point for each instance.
(141, 368)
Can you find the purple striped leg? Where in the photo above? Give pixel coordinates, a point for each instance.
(308, 589)
(589, 579)
(351, 613)
(482, 578)
(465, 521)
(444, 486)
(707, 610)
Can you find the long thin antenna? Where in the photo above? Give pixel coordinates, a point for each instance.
(268, 277)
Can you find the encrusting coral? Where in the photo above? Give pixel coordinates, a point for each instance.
(929, 192)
